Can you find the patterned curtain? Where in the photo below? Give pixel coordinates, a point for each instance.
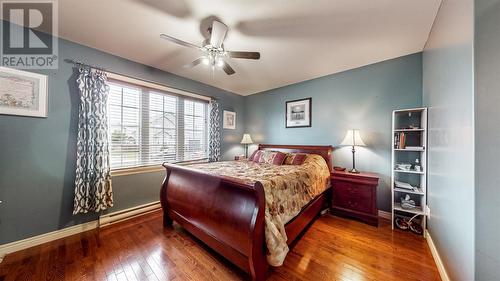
(214, 132)
(93, 190)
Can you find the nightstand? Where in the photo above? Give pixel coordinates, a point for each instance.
(239, 157)
(355, 195)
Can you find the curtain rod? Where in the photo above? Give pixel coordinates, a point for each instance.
(79, 63)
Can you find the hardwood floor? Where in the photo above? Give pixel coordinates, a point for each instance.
(141, 249)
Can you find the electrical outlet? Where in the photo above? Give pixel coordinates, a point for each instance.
(428, 212)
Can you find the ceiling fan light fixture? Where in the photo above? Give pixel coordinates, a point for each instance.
(212, 50)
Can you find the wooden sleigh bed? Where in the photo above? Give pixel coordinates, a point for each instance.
(228, 214)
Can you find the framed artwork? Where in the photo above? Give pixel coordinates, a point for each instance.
(23, 93)
(229, 120)
(298, 113)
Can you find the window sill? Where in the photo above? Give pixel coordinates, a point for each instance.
(136, 170)
(150, 169)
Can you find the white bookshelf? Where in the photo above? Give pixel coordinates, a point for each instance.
(413, 123)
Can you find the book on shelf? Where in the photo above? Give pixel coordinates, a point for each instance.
(400, 140)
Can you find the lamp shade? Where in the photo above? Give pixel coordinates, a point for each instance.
(246, 139)
(352, 138)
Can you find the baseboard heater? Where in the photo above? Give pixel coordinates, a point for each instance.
(130, 213)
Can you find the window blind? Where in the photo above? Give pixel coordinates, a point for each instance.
(149, 127)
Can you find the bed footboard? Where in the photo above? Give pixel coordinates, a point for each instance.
(226, 214)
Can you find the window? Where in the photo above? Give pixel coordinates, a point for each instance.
(148, 126)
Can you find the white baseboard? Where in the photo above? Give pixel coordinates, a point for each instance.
(437, 258)
(44, 238)
(105, 220)
(385, 215)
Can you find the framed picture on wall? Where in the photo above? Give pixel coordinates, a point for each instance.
(298, 113)
(229, 120)
(23, 93)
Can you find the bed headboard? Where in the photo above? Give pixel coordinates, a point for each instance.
(323, 150)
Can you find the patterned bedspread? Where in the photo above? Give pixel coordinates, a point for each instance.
(288, 188)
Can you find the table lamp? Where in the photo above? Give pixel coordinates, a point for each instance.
(352, 138)
(246, 140)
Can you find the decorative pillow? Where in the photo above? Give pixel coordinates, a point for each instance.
(270, 157)
(274, 157)
(253, 155)
(257, 155)
(295, 158)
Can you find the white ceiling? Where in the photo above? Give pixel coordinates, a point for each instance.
(298, 39)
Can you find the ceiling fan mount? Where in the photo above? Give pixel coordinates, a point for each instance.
(212, 49)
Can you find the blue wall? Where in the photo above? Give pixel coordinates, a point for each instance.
(362, 98)
(487, 103)
(448, 91)
(37, 155)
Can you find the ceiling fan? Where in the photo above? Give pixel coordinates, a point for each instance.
(213, 49)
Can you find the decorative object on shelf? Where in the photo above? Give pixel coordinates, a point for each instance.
(229, 120)
(403, 167)
(407, 203)
(337, 168)
(246, 140)
(23, 93)
(401, 223)
(352, 138)
(417, 166)
(408, 224)
(404, 185)
(416, 228)
(298, 113)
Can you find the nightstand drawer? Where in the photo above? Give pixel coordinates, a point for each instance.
(353, 203)
(352, 190)
(353, 198)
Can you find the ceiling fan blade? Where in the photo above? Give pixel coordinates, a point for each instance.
(244, 55)
(228, 69)
(193, 63)
(219, 31)
(180, 42)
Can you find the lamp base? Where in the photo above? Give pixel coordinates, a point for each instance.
(354, 171)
